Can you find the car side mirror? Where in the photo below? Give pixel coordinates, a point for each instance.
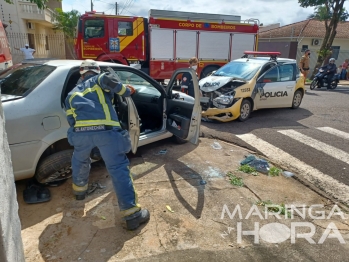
(213, 72)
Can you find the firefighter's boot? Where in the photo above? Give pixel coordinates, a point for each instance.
(80, 191)
(135, 220)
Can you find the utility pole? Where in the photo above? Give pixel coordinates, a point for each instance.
(116, 8)
(91, 6)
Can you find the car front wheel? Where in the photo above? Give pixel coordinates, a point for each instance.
(55, 167)
(297, 99)
(245, 110)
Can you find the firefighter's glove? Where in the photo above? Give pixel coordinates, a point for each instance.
(132, 89)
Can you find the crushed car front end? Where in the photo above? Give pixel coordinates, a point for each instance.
(224, 91)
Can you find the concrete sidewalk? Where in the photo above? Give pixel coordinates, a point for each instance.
(191, 182)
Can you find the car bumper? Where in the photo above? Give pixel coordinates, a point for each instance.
(25, 157)
(229, 114)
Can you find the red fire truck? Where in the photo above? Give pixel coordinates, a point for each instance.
(165, 41)
(5, 53)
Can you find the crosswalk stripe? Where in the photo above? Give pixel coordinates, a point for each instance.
(323, 147)
(332, 186)
(335, 132)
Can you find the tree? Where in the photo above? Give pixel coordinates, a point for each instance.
(332, 12)
(67, 23)
(41, 3)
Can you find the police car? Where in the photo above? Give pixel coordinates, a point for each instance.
(250, 83)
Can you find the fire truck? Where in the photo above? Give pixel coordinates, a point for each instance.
(165, 41)
(5, 53)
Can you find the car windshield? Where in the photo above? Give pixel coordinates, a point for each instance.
(21, 80)
(243, 70)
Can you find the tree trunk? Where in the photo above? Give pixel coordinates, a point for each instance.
(70, 47)
(331, 31)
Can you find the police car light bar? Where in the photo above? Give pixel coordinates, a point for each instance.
(262, 53)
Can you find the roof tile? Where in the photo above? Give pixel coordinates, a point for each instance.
(306, 28)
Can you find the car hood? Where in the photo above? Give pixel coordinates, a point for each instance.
(212, 83)
(8, 97)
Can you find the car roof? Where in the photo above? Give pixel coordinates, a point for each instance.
(64, 62)
(264, 60)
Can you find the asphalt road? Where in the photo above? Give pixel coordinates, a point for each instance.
(316, 134)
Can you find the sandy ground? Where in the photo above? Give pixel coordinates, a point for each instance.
(192, 181)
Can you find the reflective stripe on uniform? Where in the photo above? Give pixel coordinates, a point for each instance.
(80, 188)
(104, 104)
(96, 122)
(131, 211)
(102, 101)
(122, 91)
(69, 112)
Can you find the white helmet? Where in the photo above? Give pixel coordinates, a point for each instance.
(332, 60)
(89, 65)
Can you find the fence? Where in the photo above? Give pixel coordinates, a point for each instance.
(46, 46)
(339, 56)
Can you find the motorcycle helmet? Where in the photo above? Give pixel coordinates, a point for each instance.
(332, 60)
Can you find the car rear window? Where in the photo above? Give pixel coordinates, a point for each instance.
(21, 80)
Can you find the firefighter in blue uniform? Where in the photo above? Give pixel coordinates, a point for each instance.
(94, 123)
(187, 81)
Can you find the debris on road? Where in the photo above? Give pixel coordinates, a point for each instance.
(203, 182)
(216, 146)
(169, 209)
(287, 174)
(161, 152)
(259, 164)
(93, 187)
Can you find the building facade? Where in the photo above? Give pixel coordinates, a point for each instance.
(27, 24)
(309, 34)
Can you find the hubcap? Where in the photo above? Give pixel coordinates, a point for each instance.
(297, 99)
(245, 110)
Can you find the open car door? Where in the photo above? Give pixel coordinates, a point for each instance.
(128, 115)
(183, 115)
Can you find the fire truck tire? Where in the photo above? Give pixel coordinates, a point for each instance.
(208, 70)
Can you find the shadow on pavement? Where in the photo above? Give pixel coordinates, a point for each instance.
(264, 118)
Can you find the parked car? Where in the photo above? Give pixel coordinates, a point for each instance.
(251, 83)
(33, 95)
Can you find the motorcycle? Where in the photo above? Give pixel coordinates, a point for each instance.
(321, 75)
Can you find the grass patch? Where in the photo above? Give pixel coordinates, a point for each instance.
(274, 171)
(234, 180)
(248, 170)
(274, 208)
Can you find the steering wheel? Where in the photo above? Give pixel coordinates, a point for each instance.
(133, 90)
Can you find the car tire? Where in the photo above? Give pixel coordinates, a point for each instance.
(178, 140)
(55, 167)
(208, 70)
(297, 99)
(245, 110)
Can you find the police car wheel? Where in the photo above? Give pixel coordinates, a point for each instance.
(297, 99)
(245, 110)
(55, 167)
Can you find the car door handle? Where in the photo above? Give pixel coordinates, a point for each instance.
(289, 86)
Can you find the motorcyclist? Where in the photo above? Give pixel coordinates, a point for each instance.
(329, 70)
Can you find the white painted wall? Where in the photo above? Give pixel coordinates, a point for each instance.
(11, 246)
